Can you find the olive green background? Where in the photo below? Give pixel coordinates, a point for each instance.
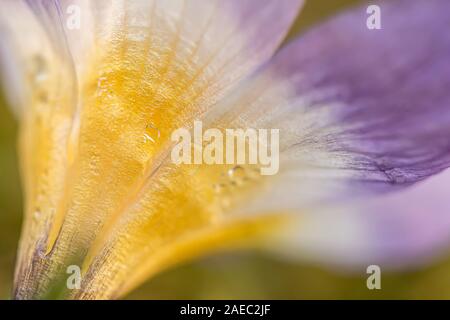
(233, 276)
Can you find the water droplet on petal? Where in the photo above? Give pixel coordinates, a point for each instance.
(151, 134)
(102, 85)
(101, 82)
(137, 34)
(37, 214)
(39, 75)
(218, 188)
(39, 69)
(238, 175)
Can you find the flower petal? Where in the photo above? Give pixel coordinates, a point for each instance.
(216, 48)
(394, 230)
(143, 68)
(45, 105)
(26, 48)
(319, 92)
(367, 110)
(360, 112)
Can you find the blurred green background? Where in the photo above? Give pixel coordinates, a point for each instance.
(231, 276)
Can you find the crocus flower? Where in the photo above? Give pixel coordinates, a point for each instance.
(364, 125)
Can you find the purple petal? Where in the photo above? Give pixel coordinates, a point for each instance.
(394, 230)
(359, 110)
(265, 22)
(413, 223)
(369, 106)
(387, 89)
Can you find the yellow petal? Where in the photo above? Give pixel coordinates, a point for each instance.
(95, 139)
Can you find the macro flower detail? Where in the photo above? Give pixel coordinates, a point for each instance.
(363, 118)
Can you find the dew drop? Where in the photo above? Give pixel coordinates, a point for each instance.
(101, 82)
(39, 74)
(102, 85)
(39, 69)
(219, 188)
(151, 134)
(222, 191)
(238, 175)
(137, 34)
(37, 214)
